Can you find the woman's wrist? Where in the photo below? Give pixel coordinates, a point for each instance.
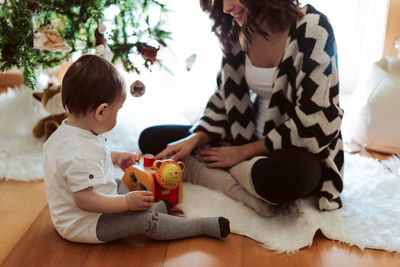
(200, 138)
(256, 148)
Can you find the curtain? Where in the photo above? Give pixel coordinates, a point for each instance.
(359, 27)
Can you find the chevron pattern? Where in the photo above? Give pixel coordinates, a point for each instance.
(304, 110)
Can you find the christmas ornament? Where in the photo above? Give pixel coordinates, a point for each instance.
(190, 61)
(100, 45)
(33, 6)
(137, 88)
(149, 53)
(47, 38)
(7, 54)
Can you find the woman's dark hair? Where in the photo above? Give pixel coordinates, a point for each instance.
(279, 14)
(89, 82)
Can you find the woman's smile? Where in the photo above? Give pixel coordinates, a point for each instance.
(239, 17)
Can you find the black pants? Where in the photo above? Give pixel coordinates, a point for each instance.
(284, 176)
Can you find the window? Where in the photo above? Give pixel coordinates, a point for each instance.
(359, 27)
(181, 96)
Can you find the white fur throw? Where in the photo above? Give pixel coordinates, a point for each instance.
(369, 218)
(20, 152)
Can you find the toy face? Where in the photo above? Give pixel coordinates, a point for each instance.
(171, 174)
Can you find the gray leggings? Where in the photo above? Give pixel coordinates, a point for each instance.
(153, 224)
(157, 224)
(234, 182)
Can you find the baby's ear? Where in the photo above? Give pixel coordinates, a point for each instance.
(99, 111)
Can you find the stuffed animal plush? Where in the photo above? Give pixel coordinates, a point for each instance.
(51, 100)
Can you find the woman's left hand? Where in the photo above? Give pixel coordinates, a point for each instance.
(220, 157)
(126, 159)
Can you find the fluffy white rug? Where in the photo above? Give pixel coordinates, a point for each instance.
(20, 152)
(369, 218)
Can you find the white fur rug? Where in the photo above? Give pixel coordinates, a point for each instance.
(20, 152)
(370, 216)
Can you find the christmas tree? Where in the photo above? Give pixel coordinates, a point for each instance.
(43, 33)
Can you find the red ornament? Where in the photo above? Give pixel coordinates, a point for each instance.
(149, 53)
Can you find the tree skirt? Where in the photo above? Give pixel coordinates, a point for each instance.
(369, 218)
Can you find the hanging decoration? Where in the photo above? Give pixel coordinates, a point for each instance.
(101, 47)
(137, 88)
(33, 5)
(190, 61)
(149, 53)
(47, 38)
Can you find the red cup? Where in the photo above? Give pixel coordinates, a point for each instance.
(148, 160)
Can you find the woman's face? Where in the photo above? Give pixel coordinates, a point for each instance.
(236, 10)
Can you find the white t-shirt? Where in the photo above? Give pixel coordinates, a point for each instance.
(260, 82)
(75, 159)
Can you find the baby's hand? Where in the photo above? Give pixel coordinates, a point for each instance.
(139, 200)
(126, 159)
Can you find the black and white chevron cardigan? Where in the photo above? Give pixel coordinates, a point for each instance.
(304, 110)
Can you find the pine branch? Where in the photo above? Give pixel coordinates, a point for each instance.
(76, 21)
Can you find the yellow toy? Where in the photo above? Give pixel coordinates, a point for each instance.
(162, 177)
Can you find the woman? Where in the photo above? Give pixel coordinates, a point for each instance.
(270, 134)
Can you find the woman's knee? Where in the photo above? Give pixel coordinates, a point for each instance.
(286, 175)
(145, 140)
(154, 139)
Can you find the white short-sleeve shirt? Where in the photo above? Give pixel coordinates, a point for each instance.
(75, 159)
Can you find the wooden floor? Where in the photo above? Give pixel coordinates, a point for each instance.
(27, 238)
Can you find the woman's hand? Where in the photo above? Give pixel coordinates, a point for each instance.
(139, 200)
(125, 159)
(228, 156)
(178, 149)
(221, 157)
